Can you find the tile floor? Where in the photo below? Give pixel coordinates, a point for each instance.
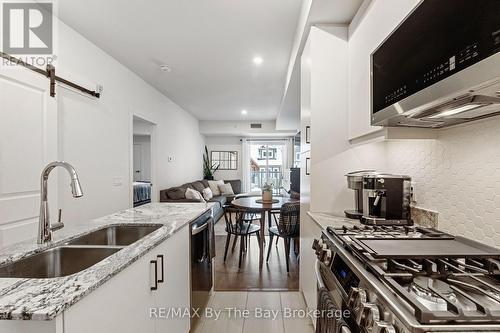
(258, 305)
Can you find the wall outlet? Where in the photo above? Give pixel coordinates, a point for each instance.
(117, 181)
(413, 193)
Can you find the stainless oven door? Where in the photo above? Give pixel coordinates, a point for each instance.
(327, 303)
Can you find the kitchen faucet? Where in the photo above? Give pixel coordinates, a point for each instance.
(44, 226)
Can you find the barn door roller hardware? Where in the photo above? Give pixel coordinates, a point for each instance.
(50, 73)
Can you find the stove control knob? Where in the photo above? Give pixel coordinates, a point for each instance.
(383, 327)
(368, 315)
(327, 257)
(317, 245)
(356, 297)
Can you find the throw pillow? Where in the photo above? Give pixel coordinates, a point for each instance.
(194, 195)
(198, 186)
(214, 186)
(176, 193)
(226, 189)
(207, 194)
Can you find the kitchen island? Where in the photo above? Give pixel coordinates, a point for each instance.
(114, 289)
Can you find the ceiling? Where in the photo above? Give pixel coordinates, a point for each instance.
(320, 12)
(209, 45)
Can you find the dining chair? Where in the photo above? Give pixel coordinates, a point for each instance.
(249, 217)
(239, 224)
(288, 228)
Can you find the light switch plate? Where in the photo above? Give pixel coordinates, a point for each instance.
(117, 181)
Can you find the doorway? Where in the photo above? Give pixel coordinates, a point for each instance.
(142, 161)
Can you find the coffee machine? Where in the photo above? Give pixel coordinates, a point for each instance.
(386, 200)
(355, 182)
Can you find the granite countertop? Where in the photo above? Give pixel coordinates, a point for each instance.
(44, 299)
(324, 220)
(421, 217)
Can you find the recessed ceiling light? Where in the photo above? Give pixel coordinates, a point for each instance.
(166, 68)
(257, 60)
(244, 112)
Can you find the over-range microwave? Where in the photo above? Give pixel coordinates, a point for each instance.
(439, 67)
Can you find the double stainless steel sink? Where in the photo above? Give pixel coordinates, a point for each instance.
(77, 254)
(115, 235)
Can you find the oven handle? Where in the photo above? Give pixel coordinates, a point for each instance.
(317, 267)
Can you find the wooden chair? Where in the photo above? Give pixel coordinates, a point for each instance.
(239, 223)
(249, 217)
(288, 228)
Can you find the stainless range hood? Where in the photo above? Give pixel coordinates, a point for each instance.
(460, 98)
(439, 67)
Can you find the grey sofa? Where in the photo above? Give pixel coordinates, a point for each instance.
(178, 194)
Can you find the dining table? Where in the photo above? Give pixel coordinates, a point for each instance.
(252, 205)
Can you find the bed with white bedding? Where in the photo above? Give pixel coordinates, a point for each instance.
(142, 193)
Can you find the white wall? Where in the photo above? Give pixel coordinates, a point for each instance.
(96, 135)
(457, 174)
(226, 143)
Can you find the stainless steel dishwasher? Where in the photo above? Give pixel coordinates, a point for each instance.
(202, 254)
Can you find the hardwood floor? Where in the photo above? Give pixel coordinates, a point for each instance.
(273, 276)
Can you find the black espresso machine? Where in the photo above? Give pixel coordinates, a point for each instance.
(384, 199)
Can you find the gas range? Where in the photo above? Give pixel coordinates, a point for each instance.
(410, 279)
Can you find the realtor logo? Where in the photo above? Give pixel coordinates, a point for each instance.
(27, 28)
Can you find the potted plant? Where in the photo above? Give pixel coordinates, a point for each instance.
(267, 192)
(208, 168)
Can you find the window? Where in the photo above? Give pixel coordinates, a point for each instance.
(226, 160)
(262, 153)
(267, 153)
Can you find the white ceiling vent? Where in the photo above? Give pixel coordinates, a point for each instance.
(255, 125)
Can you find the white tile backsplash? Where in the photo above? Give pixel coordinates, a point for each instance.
(456, 175)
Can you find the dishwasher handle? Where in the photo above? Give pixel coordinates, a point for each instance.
(195, 229)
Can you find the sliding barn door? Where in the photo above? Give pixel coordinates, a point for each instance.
(28, 141)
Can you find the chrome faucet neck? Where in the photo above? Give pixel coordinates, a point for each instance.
(44, 225)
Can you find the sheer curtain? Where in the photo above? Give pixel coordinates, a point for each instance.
(245, 165)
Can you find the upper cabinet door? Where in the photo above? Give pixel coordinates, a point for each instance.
(28, 141)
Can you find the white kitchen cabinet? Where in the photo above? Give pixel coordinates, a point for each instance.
(309, 230)
(120, 305)
(174, 292)
(124, 303)
(324, 107)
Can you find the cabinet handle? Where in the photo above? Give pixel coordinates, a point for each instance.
(156, 274)
(308, 161)
(162, 279)
(308, 134)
